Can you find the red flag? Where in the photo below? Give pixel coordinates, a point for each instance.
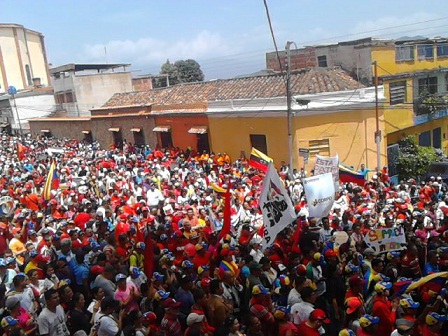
(227, 214)
(20, 151)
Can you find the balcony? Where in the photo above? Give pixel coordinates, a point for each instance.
(430, 107)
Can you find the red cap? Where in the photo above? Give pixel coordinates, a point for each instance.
(355, 281)
(3, 226)
(330, 253)
(319, 314)
(205, 283)
(16, 230)
(171, 303)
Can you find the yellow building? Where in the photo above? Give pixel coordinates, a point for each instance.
(339, 123)
(23, 59)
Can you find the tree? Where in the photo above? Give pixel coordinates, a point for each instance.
(182, 71)
(413, 160)
(189, 71)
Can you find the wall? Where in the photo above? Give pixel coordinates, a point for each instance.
(303, 58)
(385, 56)
(32, 107)
(351, 136)
(99, 126)
(95, 90)
(31, 52)
(180, 125)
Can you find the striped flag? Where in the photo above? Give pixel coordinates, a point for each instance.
(52, 181)
(259, 160)
(348, 175)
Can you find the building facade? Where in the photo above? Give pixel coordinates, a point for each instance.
(23, 58)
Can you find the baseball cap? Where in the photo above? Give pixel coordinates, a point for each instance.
(2, 262)
(281, 267)
(15, 231)
(12, 301)
(170, 303)
(355, 281)
(281, 311)
(366, 320)
(284, 280)
(156, 276)
(319, 314)
(382, 286)
(31, 232)
(141, 246)
(350, 268)
(409, 303)
(150, 317)
(161, 295)
(187, 264)
(193, 318)
(135, 272)
(202, 269)
(330, 253)
(369, 251)
(317, 256)
(392, 254)
(347, 332)
(352, 304)
(119, 277)
(205, 283)
(403, 324)
(434, 318)
(259, 289)
(9, 321)
(33, 254)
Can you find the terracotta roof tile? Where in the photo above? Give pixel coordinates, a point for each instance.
(305, 82)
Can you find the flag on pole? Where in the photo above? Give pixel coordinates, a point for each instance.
(259, 160)
(348, 175)
(227, 213)
(275, 205)
(52, 181)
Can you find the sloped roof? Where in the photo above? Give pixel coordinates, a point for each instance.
(305, 82)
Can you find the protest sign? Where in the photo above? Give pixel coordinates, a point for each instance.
(385, 240)
(319, 192)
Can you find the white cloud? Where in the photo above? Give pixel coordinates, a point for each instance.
(150, 52)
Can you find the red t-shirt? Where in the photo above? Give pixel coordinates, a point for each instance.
(305, 330)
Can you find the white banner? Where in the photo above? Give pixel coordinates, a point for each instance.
(387, 239)
(275, 206)
(326, 164)
(319, 192)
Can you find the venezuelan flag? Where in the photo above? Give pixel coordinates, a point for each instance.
(347, 175)
(259, 160)
(52, 181)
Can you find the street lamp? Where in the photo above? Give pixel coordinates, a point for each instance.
(288, 103)
(13, 91)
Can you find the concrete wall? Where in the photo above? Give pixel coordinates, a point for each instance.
(99, 126)
(33, 107)
(179, 129)
(21, 47)
(351, 136)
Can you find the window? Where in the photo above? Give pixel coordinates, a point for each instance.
(258, 141)
(322, 61)
(442, 50)
(425, 51)
(437, 137)
(69, 97)
(397, 92)
(28, 75)
(320, 147)
(427, 85)
(404, 53)
(424, 139)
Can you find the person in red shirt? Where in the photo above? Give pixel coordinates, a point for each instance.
(433, 324)
(202, 257)
(369, 326)
(311, 326)
(384, 309)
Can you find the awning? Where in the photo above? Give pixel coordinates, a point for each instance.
(162, 129)
(136, 129)
(86, 132)
(45, 131)
(198, 130)
(114, 129)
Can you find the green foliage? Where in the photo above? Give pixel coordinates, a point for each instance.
(413, 160)
(182, 71)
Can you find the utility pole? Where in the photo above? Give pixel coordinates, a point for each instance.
(288, 104)
(377, 119)
(13, 91)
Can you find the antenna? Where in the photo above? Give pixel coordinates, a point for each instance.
(105, 53)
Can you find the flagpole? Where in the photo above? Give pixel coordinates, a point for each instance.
(288, 105)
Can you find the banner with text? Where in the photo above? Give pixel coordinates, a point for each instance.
(319, 192)
(275, 206)
(326, 164)
(385, 240)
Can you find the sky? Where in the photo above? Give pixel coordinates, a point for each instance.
(226, 37)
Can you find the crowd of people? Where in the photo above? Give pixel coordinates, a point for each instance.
(129, 242)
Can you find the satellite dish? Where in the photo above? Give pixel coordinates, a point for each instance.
(12, 90)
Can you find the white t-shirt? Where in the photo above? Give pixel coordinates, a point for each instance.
(53, 324)
(108, 326)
